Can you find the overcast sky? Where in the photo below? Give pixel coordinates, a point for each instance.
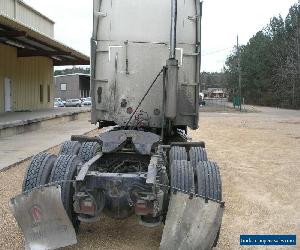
(222, 21)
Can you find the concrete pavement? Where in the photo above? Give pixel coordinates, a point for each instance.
(13, 123)
(10, 119)
(19, 147)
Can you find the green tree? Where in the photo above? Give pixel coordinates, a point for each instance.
(74, 70)
(269, 64)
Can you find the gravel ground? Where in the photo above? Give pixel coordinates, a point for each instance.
(259, 158)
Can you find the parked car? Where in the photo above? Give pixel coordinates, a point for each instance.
(87, 101)
(58, 104)
(59, 100)
(73, 103)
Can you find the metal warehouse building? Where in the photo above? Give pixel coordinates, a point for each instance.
(72, 86)
(28, 53)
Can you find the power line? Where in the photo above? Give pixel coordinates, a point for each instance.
(216, 51)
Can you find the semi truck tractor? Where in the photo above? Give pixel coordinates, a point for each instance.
(145, 75)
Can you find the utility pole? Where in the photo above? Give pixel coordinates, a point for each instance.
(298, 54)
(239, 70)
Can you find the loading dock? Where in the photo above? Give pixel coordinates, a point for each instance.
(28, 52)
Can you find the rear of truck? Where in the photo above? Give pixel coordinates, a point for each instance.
(145, 74)
(130, 46)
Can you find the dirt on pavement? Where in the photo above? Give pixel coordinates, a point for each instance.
(259, 159)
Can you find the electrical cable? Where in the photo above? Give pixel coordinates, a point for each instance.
(216, 51)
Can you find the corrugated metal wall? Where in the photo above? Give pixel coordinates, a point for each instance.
(23, 13)
(35, 21)
(27, 74)
(72, 91)
(7, 7)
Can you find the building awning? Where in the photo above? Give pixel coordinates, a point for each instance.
(30, 43)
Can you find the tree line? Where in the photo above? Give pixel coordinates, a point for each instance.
(270, 64)
(74, 70)
(212, 80)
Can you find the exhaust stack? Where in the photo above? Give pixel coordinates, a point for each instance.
(172, 69)
(173, 29)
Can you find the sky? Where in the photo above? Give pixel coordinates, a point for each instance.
(222, 21)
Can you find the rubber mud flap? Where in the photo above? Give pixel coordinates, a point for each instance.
(43, 219)
(191, 224)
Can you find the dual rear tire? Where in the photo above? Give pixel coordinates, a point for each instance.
(206, 179)
(64, 172)
(39, 171)
(46, 168)
(85, 151)
(70, 148)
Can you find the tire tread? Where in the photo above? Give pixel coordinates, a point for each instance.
(70, 148)
(88, 150)
(209, 180)
(38, 171)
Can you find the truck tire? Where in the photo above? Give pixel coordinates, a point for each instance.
(70, 148)
(208, 180)
(209, 184)
(177, 153)
(197, 154)
(88, 150)
(39, 170)
(182, 176)
(65, 169)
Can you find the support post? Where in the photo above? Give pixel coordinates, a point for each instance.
(240, 72)
(298, 56)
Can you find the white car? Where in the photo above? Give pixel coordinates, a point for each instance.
(73, 103)
(59, 100)
(87, 101)
(58, 104)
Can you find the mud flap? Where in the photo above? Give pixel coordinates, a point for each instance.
(43, 219)
(191, 223)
